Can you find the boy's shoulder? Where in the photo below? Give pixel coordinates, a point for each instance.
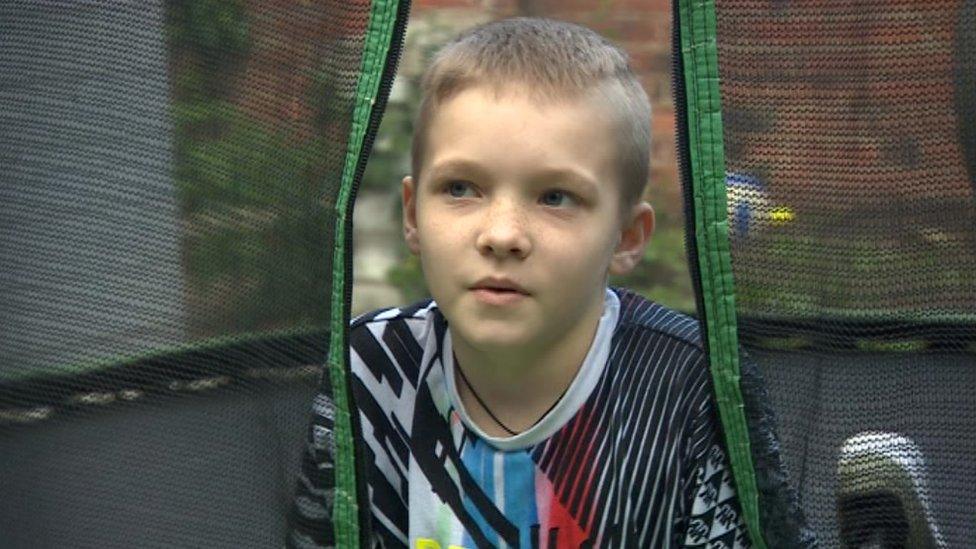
(389, 344)
(418, 311)
(637, 313)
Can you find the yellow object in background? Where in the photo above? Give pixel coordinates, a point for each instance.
(782, 215)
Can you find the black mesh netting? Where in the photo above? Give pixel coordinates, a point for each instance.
(168, 171)
(851, 172)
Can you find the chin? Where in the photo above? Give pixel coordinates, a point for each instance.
(490, 335)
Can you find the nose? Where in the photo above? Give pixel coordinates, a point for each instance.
(503, 233)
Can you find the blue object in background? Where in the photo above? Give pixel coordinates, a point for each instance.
(747, 200)
(749, 206)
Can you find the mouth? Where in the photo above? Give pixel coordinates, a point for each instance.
(498, 291)
(499, 285)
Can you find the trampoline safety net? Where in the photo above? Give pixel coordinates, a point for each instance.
(176, 179)
(832, 176)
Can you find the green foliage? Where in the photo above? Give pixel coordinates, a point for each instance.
(389, 160)
(257, 228)
(257, 244)
(830, 274)
(408, 277)
(243, 165)
(211, 30)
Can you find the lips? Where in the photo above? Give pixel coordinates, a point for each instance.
(498, 292)
(498, 284)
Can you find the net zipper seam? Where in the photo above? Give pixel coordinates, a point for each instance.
(739, 453)
(353, 535)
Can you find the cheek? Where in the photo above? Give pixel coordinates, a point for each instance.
(579, 259)
(436, 235)
(440, 245)
(584, 244)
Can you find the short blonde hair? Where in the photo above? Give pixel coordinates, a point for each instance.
(551, 59)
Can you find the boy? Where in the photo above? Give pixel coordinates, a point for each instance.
(528, 404)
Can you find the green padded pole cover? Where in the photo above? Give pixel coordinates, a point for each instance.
(704, 108)
(377, 45)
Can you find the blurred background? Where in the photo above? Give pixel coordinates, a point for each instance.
(386, 274)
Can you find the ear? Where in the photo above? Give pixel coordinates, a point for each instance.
(634, 235)
(409, 192)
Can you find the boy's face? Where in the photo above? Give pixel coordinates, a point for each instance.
(517, 217)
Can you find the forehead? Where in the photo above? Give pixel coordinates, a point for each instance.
(509, 133)
(518, 111)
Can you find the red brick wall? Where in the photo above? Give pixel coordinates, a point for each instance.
(859, 103)
(289, 40)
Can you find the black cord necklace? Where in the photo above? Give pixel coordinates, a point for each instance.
(485, 406)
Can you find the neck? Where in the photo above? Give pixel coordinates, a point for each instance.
(520, 384)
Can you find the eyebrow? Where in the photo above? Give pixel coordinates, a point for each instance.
(543, 174)
(459, 165)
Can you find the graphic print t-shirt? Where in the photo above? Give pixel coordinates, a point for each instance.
(631, 456)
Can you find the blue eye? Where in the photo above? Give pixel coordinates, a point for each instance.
(555, 198)
(458, 189)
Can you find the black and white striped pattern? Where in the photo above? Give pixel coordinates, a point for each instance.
(640, 464)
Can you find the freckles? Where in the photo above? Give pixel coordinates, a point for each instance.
(581, 258)
(431, 223)
(443, 236)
